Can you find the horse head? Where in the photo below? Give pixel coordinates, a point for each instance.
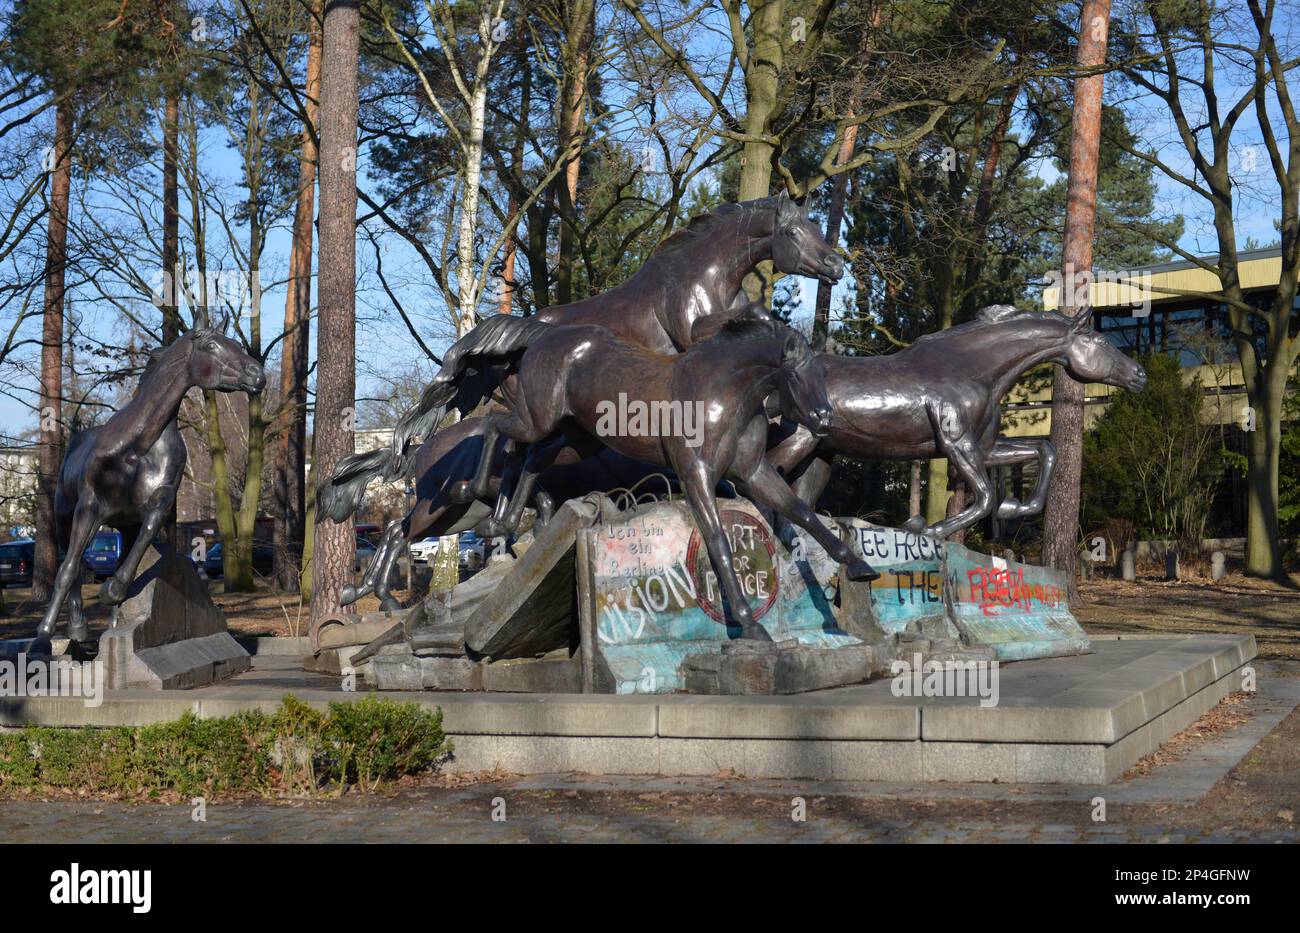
(219, 363)
(798, 246)
(804, 396)
(1090, 357)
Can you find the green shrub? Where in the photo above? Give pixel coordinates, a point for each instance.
(296, 749)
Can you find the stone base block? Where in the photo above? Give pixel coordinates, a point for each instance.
(749, 669)
(553, 674)
(193, 662)
(168, 634)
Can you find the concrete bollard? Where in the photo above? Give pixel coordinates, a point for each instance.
(1218, 566)
(1171, 564)
(1128, 564)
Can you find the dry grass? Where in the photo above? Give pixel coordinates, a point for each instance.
(1236, 605)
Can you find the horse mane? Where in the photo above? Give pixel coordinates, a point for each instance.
(166, 362)
(701, 225)
(744, 328)
(993, 315)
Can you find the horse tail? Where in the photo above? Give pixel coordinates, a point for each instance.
(472, 369)
(342, 494)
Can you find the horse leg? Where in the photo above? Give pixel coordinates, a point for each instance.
(385, 557)
(113, 592)
(1011, 450)
(699, 491)
(466, 491)
(767, 486)
(539, 458)
(511, 473)
(966, 459)
(85, 522)
(350, 593)
(545, 507)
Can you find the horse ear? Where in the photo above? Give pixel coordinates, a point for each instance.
(200, 318)
(786, 210)
(1081, 320)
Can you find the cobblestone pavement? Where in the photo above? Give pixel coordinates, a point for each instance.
(467, 815)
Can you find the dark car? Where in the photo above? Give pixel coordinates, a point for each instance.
(263, 560)
(16, 560)
(104, 552)
(365, 554)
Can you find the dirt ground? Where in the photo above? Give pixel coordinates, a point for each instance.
(1236, 605)
(265, 612)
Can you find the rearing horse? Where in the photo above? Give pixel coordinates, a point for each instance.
(941, 397)
(125, 472)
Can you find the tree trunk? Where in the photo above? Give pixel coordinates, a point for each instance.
(936, 490)
(466, 274)
(834, 220)
(1263, 448)
(767, 23)
(1061, 517)
(335, 546)
(171, 236)
(289, 477)
(573, 105)
(52, 337)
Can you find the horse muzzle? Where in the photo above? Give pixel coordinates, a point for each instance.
(819, 421)
(253, 379)
(832, 269)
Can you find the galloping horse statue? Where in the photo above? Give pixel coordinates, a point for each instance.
(941, 397)
(570, 373)
(695, 274)
(125, 472)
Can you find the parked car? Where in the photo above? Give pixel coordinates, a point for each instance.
(104, 553)
(474, 551)
(424, 549)
(16, 560)
(263, 560)
(365, 552)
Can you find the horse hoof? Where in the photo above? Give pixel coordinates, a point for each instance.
(754, 632)
(113, 592)
(915, 524)
(390, 604)
(461, 493)
(860, 571)
(1010, 508)
(349, 595)
(40, 647)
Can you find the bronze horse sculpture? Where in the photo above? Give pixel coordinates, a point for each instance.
(570, 373)
(694, 275)
(446, 458)
(941, 397)
(125, 472)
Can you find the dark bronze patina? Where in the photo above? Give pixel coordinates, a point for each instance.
(941, 397)
(569, 373)
(125, 472)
